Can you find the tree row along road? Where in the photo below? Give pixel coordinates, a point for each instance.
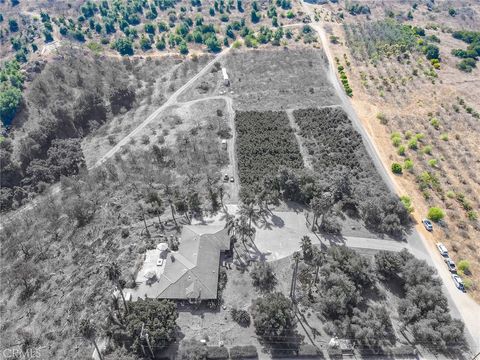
(462, 305)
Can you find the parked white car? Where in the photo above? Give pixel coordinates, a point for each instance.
(443, 249)
(458, 282)
(428, 224)
(451, 265)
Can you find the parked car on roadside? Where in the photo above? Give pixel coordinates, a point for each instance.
(226, 178)
(428, 224)
(451, 265)
(458, 282)
(443, 249)
(232, 179)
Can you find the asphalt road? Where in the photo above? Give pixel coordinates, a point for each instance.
(462, 306)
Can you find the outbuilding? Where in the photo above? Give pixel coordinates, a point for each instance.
(226, 80)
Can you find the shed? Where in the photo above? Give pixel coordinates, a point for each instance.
(226, 80)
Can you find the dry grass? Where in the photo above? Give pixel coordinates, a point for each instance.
(408, 103)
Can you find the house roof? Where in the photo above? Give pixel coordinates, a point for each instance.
(192, 271)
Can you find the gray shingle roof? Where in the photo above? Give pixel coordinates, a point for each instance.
(192, 271)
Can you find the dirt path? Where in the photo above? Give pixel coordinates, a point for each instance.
(232, 188)
(172, 100)
(462, 305)
(307, 161)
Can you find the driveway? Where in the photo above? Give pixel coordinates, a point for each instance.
(279, 236)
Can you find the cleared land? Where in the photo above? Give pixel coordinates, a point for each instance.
(265, 143)
(264, 80)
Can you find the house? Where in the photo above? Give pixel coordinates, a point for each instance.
(191, 273)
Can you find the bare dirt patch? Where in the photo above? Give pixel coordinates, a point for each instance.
(407, 95)
(279, 79)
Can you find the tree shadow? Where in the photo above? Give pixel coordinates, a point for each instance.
(295, 207)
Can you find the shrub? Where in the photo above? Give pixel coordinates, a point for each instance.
(419, 136)
(472, 215)
(468, 283)
(435, 214)
(383, 119)
(263, 276)
(243, 352)
(274, 319)
(396, 141)
(124, 46)
(427, 149)
(464, 266)
(394, 135)
(401, 150)
(396, 168)
(413, 144)
(408, 134)
(242, 317)
(407, 203)
(467, 64)
(236, 44)
(431, 51)
(435, 123)
(408, 164)
(450, 194)
(217, 353)
(432, 162)
(10, 100)
(444, 137)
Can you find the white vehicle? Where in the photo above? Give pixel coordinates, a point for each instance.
(458, 282)
(443, 250)
(451, 265)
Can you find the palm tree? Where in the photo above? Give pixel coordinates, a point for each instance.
(249, 211)
(243, 229)
(156, 202)
(141, 215)
(320, 206)
(307, 249)
(231, 224)
(89, 332)
(317, 260)
(114, 273)
(168, 193)
(172, 209)
(296, 257)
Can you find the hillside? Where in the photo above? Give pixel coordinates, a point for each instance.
(229, 179)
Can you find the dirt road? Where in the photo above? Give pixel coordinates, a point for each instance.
(461, 304)
(172, 100)
(232, 188)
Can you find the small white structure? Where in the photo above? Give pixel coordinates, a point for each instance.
(224, 144)
(162, 247)
(226, 80)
